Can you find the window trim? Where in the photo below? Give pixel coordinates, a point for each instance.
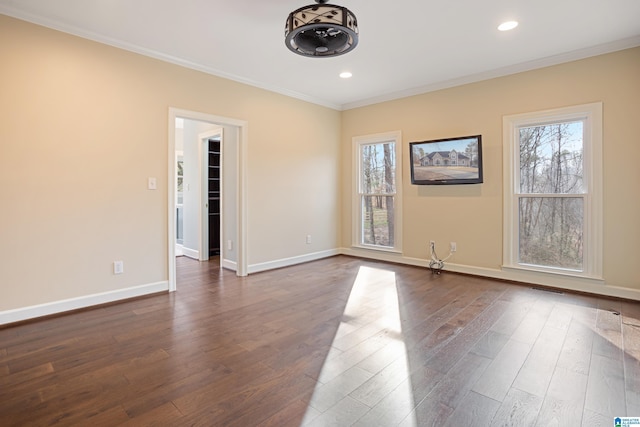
(356, 211)
(592, 146)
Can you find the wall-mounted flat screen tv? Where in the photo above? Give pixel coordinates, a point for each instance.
(447, 161)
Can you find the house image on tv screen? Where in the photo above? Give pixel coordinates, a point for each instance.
(445, 158)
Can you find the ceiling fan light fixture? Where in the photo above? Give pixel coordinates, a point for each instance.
(321, 30)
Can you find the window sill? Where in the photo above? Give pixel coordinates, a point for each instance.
(560, 278)
(377, 249)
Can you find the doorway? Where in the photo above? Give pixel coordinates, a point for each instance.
(211, 230)
(233, 186)
(212, 185)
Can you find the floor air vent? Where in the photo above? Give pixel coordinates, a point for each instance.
(553, 291)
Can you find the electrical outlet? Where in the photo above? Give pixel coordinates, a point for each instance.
(308, 239)
(453, 246)
(432, 244)
(118, 267)
(229, 245)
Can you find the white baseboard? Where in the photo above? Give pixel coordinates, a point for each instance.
(191, 253)
(229, 265)
(569, 283)
(35, 311)
(285, 262)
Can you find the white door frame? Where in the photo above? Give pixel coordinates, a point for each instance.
(241, 210)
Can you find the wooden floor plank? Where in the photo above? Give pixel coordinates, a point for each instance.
(327, 395)
(499, 376)
(606, 388)
(382, 383)
(475, 409)
(538, 368)
(344, 413)
(564, 401)
(338, 341)
(631, 361)
(519, 408)
(559, 412)
(449, 392)
(576, 350)
(395, 406)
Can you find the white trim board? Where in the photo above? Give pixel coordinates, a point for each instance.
(229, 265)
(591, 286)
(56, 307)
(286, 262)
(191, 253)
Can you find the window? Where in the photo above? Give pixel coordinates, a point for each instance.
(553, 191)
(377, 195)
(179, 197)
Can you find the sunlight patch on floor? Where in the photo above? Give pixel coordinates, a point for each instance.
(365, 377)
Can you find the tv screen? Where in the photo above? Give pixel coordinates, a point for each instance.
(447, 161)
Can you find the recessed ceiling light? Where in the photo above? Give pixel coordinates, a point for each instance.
(345, 74)
(509, 25)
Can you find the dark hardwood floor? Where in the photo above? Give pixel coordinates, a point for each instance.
(335, 342)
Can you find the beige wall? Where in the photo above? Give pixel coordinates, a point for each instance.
(83, 125)
(472, 215)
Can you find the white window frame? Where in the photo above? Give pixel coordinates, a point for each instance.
(358, 142)
(591, 115)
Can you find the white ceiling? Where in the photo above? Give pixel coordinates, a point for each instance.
(406, 46)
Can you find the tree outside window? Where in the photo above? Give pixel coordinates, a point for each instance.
(551, 199)
(376, 215)
(378, 192)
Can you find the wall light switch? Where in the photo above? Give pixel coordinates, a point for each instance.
(152, 184)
